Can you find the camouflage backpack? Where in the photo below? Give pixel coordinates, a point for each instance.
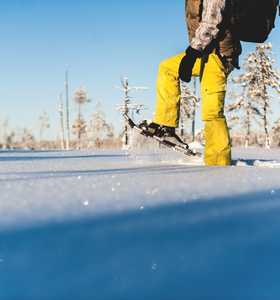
(250, 20)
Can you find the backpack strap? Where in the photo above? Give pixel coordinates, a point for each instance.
(204, 57)
(202, 66)
(200, 10)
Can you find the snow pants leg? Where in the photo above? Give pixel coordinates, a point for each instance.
(213, 90)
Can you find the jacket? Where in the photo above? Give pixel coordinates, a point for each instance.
(208, 25)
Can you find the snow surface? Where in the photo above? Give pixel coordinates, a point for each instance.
(119, 225)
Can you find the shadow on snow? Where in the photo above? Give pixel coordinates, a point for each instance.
(63, 155)
(170, 169)
(224, 248)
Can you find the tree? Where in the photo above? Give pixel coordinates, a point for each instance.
(4, 132)
(61, 121)
(99, 130)
(79, 129)
(188, 106)
(243, 112)
(79, 126)
(127, 107)
(259, 78)
(276, 133)
(44, 123)
(10, 140)
(27, 139)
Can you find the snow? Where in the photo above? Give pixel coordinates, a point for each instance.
(120, 225)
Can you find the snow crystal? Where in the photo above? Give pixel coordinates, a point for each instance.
(154, 266)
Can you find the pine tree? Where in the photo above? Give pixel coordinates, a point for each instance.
(27, 139)
(243, 112)
(44, 123)
(276, 133)
(79, 126)
(188, 107)
(79, 129)
(99, 130)
(4, 133)
(259, 78)
(10, 140)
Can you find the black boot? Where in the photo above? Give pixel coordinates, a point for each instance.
(156, 129)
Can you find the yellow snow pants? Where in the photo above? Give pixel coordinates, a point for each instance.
(213, 89)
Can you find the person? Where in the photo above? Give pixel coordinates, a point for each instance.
(212, 54)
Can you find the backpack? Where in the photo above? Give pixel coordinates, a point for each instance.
(252, 20)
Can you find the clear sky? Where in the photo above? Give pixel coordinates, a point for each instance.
(99, 40)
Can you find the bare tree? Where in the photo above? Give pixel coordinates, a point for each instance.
(61, 121)
(127, 107)
(66, 83)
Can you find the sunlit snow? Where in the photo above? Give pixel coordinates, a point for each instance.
(120, 225)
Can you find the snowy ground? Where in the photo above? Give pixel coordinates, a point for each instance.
(111, 225)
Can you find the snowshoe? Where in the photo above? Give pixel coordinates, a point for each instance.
(165, 135)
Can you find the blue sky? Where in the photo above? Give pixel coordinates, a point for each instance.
(99, 40)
